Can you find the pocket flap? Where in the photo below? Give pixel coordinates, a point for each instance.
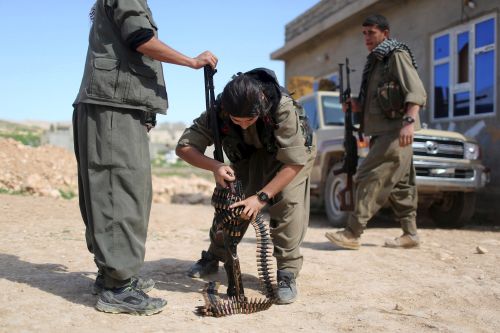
(142, 70)
(106, 63)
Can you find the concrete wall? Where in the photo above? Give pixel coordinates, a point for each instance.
(413, 22)
(60, 138)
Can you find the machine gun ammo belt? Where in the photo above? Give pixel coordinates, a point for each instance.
(233, 228)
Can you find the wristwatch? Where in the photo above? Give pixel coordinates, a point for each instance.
(262, 196)
(408, 119)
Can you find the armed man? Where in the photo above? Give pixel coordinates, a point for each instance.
(121, 92)
(390, 98)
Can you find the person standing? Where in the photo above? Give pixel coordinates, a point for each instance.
(390, 98)
(121, 92)
(267, 139)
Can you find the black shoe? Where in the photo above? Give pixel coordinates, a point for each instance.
(141, 284)
(129, 300)
(287, 289)
(208, 264)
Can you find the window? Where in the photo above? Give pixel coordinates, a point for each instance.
(462, 64)
(332, 110)
(463, 70)
(441, 90)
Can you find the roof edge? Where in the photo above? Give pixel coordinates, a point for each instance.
(341, 15)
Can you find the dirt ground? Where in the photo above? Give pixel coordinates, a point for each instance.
(445, 286)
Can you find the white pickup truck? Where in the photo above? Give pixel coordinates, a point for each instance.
(449, 171)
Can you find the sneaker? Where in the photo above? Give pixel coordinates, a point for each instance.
(141, 284)
(344, 239)
(405, 241)
(129, 300)
(287, 288)
(208, 264)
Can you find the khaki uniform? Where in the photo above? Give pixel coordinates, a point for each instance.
(289, 209)
(111, 144)
(387, 174)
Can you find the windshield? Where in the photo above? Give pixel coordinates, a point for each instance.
(310, 106)
(332, 110)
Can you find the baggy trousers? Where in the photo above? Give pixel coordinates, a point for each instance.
(289, 210)
(115, 191)
(386, 175)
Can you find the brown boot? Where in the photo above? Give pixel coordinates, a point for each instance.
(344, 239)
(405, 241)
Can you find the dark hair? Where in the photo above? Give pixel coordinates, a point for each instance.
(377, 20)
(243, 96)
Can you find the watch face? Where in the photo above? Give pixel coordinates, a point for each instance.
(263, 197)
(408, 119)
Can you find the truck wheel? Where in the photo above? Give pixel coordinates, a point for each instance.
(334, 184)
(454, 210)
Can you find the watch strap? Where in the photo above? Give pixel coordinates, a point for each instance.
(408, 119)
(263, 196)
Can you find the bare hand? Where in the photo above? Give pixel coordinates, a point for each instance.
(252, 207)
(223, 173)
(206, 58)
(406, 135)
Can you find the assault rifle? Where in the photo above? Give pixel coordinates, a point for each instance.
(350, 160)
(209, 73)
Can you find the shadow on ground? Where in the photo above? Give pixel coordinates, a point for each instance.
(75, 287)
(385, 219)
(170, 275)
(49, 277)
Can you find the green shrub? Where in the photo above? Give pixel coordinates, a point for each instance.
(69, 194)
(9, 191)
(25, 137)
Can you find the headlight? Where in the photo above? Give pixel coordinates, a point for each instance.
(471, 151)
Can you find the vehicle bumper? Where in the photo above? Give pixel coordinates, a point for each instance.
(450, 177)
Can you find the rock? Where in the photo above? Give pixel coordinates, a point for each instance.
(54, 193)
(481, 250)
(33, 183)
(398, 307)
(445, 256)
(190, 198)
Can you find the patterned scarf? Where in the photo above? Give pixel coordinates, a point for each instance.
(382, 51)
(92, 12)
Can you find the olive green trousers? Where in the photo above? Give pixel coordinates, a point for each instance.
(114, 183)
(386, 175)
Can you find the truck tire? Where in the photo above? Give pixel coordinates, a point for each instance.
(454, 209)
(334, 184)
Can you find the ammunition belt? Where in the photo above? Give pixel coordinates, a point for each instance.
(233, 225)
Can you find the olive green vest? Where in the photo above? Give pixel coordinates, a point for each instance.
(375, 120)
(114, 74)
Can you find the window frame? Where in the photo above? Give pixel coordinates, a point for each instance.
(452, 59)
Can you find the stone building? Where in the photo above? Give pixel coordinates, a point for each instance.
(455, 46)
